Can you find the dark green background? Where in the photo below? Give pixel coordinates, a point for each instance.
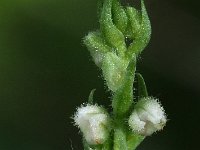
(46, 72)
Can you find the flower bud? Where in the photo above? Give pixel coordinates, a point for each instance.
(94, 122)
(97, 47)
(147, 117)
(113, 36)
(141, 29)
(119, 16)
(114, 70)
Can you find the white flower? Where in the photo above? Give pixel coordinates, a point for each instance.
(147, 117)
(94, 122)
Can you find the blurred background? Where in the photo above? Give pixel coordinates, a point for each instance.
(46, 72)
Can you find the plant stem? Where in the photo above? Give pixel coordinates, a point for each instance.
(123, 98)
(120, 139)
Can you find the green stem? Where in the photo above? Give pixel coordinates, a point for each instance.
(122, 101)
(134, 140)
(120, 139)
(123, 98)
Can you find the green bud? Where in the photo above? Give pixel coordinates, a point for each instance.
(114, 70)
(97, 47)
(112, 34)
(119, 16)
(141, 33)
(134, 18)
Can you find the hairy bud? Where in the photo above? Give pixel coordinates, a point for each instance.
(93, 122)
(147, 117)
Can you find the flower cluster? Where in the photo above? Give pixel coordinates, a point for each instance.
(147, 117)
(117, 60)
